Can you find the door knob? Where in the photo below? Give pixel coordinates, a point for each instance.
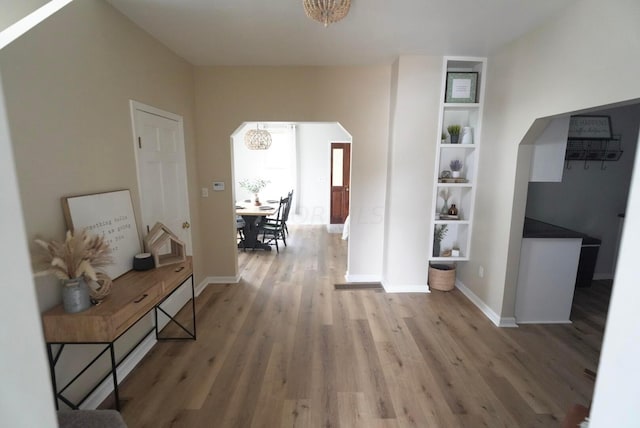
(186, 225)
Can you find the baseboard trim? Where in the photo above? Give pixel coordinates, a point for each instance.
(362, 278)
(486, 310)
(406, 288)
(546, 322)
(106, 387)
(335, 228)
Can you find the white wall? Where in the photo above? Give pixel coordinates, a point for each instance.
(26, 399)
(412, 141)
(617, 388)
(569, 64)
(589, 200)
(310, 157)
(314, 166)
(277, 165)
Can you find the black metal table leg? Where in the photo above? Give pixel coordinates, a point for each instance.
(114, 368)
(52, 369)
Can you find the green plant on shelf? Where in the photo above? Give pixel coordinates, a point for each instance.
(453, 130)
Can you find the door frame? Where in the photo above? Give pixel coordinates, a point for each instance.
(331, 143)
(135, 106)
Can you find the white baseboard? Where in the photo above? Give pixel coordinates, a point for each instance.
(335, 228)
(216, 280)
(106, 387)
(406, 288)
(486, 310)
(362, 278)
(546, 322)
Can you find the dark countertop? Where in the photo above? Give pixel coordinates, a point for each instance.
(539, 229)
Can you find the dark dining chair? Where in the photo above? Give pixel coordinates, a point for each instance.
(285, 217)
(240, 224)
(274, 228)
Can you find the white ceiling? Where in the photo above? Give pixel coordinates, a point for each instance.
(277, 32)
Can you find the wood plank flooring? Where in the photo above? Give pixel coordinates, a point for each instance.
(283, 348)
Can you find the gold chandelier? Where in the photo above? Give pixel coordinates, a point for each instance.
(257, 139)
(326, 11)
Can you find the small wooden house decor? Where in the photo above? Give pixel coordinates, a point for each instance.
(155, 241)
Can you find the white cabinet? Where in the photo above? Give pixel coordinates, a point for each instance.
(460, 191)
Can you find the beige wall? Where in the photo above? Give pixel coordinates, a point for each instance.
(584, 57)
(67, 86)
(68, 83)
(357, 97)
(15, 10)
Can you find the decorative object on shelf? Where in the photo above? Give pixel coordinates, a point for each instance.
(257, 139)
(441, 277)
(326, 11)
(75, 261)
(445, 174)
(75, 295)
(157, 239)
(453, 211)
(438, 235)
(467, 135)
(444, 194)
(590, 128)
(443, 138)
(100, 288)
(455, 252)
(455, 166)
(143, 261)
(453, 180)
(461, 87)
(254, 186)
(454, 132)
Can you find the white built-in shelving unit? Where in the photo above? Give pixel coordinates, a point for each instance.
(463, 194)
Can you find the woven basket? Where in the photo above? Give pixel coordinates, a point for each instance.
(442, 277)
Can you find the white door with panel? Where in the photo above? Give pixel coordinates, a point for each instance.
(161, 164)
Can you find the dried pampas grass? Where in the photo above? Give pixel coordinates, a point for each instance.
(79, 255)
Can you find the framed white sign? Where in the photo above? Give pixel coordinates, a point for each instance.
(109, 214)
(590, 128)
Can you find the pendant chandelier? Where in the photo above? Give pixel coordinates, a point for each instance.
(257, 139)
(326, 11)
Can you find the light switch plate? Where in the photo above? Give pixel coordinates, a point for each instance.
(218, 186)
(205, 192)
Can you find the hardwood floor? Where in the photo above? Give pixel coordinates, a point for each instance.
(283, 348)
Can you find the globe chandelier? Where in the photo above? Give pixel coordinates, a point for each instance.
(257, 139)
(326, 11)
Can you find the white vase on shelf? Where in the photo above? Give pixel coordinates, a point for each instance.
(467, 135)
(455, 174)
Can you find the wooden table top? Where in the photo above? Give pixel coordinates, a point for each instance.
(247, 208)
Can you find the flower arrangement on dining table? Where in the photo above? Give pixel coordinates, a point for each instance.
(254, 185)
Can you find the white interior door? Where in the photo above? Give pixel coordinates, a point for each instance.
(162, 177)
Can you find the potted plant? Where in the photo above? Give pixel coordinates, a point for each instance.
(254, 186)
(454, 131)
(456, 167)
(76, 261)
(443, 138)
(438, 236)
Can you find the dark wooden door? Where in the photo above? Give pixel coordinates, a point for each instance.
(340, 175)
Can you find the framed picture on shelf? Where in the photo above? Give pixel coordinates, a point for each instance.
(461, 87)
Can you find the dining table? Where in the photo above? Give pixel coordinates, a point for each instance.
(251, 214)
